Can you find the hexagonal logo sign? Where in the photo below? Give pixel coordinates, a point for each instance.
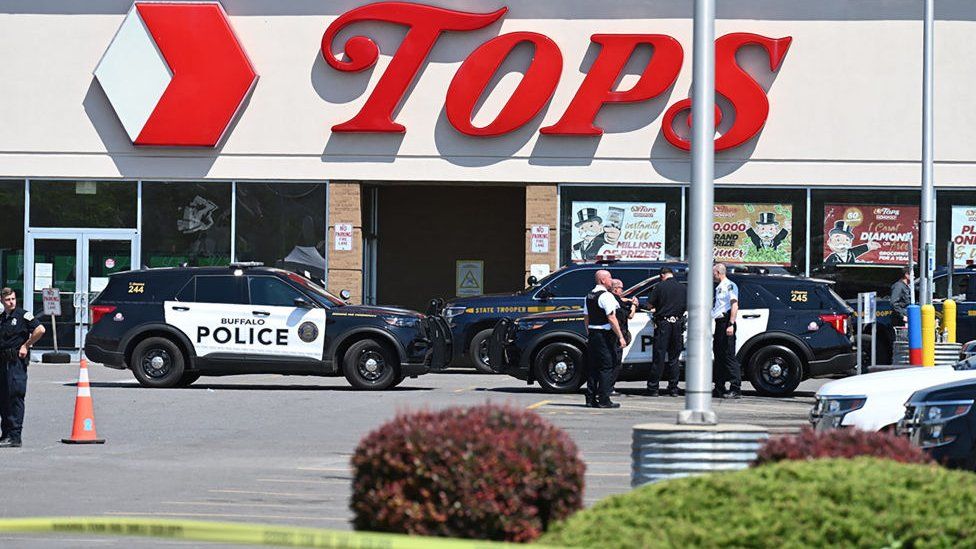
(176, 74)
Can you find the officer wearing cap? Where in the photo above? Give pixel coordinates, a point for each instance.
(668, 301)
(19, 331)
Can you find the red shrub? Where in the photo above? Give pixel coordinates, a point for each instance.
(840, 443)
(485, 472)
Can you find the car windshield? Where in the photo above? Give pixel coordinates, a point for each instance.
(642, 286)
(316, 290)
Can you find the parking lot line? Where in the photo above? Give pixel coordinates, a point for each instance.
(305, 481)
(537, 404)
(221, 515)
(465, 389)
(257, 493)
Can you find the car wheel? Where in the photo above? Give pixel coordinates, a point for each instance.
(559, 368)
(187, 379)
(775, 371)
(157, 362)
(368, 365)
(478, 351)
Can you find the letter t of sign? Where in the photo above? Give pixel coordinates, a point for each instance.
(426, 23)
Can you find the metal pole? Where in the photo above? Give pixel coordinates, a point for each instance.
(698, 369)
(951, 259)
(860, 330)
(928, 136)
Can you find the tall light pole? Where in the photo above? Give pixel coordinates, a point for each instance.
(928, 136)
(698, 374)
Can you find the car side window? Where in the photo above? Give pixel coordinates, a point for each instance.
(220, 289)
(573, 284)
(271, 292)
(749, 297)
(630, 277)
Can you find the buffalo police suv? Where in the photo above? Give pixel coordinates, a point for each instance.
(790, 328)
(170, 326)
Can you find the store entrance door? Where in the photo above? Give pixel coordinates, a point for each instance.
(76, 262)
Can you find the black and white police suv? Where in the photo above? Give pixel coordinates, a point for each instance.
(170, 326)
(790, 328)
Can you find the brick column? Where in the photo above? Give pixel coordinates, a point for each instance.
(345, 267)
(541, 208)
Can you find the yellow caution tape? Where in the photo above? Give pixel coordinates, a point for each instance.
(240, 533)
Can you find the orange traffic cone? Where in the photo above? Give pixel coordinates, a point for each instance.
(83, 430)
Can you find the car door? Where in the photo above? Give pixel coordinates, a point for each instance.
(211, 314)
(292, 326)
(753, 317)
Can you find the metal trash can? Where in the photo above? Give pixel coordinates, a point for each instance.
(665, 450)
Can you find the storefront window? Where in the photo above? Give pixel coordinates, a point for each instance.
(186, 223)
(12, 235)
(282, 224)
(861, 238)
(955, 218)
(98, 204)
(630, 223)
(761, 227)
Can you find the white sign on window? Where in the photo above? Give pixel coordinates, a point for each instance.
(43, 276)
(540, 239)
(343, 237)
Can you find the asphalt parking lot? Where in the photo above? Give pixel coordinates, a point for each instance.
(276, 449)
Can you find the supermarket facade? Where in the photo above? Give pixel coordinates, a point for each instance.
(410, 151)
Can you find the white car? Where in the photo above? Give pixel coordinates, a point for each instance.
(875, 402)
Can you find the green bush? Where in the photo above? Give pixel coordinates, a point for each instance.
(861, 502)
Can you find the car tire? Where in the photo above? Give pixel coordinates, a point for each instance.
(558, 367)
(157, 362)
(368, 365)
(478, 351)
(187, 379)
(775, 370)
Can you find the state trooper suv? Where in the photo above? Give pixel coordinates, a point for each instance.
(472, 319)
(789, 328)
(170, 326)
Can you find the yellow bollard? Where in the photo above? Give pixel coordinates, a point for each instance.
(928, 335)
(949, 320)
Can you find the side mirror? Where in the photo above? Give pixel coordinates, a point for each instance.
(533, 281)
(303, 303)
(544, 294)
(345, 294)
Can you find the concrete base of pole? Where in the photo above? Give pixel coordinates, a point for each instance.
(664, 451)
(697, 417)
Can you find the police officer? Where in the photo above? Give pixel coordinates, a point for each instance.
(626, 310)
(19, 331)
(603, 336)
(668, 301)
(724, 310)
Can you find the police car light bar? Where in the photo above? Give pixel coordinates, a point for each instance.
(606, 258)
(246, 264)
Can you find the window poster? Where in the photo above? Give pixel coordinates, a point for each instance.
(964, 234)
(756, 234)
(625, 230)
(870, 234)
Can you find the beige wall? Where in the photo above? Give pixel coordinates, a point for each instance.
(346, 267)
(542, 208)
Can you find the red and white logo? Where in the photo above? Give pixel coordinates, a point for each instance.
(176, 74)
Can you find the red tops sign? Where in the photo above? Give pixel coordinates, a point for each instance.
(426, 24)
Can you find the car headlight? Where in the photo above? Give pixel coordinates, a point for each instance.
(530, 324)
(933, 417)
(451, 312)
(402, 321)
(830, 410)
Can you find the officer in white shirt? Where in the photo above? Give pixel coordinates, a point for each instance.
(725, 366)
(603, 339)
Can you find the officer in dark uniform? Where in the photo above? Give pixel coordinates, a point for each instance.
(668, 300)
(19, 331)
(602, 339)
(626, 311)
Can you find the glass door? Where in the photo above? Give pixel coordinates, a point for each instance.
(78, 264)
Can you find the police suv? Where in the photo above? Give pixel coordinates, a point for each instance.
(789, 328)
(472, 319)
(170, 326)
